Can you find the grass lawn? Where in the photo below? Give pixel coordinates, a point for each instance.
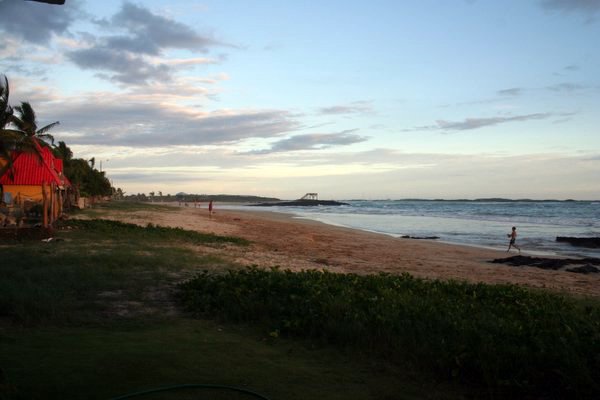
(92, 316)
(103, 362)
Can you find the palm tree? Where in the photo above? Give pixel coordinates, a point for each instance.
(26, 122)
(9, 138)
(5, 108)
(63, 152)
(19, 131)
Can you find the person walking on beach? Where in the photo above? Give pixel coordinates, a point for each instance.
(210, 207)
(513, 238)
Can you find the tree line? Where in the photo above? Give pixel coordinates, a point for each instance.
(20, 133)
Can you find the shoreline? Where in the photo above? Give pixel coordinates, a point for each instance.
(281, 240)
(556, 253)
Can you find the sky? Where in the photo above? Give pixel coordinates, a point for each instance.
(349, 99)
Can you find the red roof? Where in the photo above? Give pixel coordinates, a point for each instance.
(29, 169)
(58, 165)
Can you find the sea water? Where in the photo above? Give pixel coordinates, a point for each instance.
(477, 223)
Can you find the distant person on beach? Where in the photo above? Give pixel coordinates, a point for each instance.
(210, 207)
(513, 238)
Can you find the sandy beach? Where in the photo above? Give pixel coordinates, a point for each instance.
(280, 240)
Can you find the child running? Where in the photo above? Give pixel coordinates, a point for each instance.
(513, 238)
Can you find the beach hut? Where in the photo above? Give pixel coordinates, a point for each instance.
(35, 178)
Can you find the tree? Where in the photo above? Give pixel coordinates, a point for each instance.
(5, 108)
(9, 138)
(26, 122)
(20, 132)
(63, 152)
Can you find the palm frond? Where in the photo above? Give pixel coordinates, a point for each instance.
(27, 119)
(5, 109)
(45, 138)
(45, 129)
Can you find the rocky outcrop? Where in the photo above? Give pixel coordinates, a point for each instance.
(420, 237)
(586, 264)
(302, 203)
(591, 242)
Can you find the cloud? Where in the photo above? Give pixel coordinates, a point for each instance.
(314, 141)
(584, 6)
(567, 87)
(476, 123)
(510, 92)
(121, 121)
(125, 67)
(569, 69)
(357, 107)
(148, 33)
(135, 55)
(35, 22)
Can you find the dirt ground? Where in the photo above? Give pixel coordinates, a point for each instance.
(281, 240)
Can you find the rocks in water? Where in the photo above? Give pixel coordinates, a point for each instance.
(420, 237)
(590, 242)
(551, 263)
(303, 203)
(544, 263)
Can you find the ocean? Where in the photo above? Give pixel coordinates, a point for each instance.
(475, 223)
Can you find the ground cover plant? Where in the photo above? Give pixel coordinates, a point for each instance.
(113, 229)
(89, 315)
(60, 280)
(507, 340)
(129, 206)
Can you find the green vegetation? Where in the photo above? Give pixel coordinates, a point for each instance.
(60, 281)
(89, 315)
(507, 340)
(129, 206)
(83, 174)
(115, 230)
(93, 314)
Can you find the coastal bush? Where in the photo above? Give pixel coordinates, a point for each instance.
(505, 339)
(116, 229)
(129, 206)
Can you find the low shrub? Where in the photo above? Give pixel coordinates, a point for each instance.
(114, 229)
(504, 339)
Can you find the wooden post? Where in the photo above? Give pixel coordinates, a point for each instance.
(44, 206)
(52, 203)
(60, 203)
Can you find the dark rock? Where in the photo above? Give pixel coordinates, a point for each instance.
(303, 203)
(585, 269)
(546, 263)
(591, 242)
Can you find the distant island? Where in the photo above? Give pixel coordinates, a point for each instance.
(483, 200)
